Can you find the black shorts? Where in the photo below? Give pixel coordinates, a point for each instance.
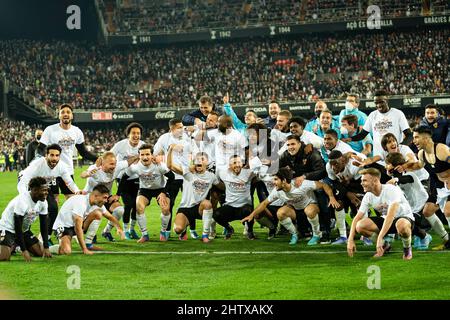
(8, 239)
(191, 213)
(219, 192)
(108, 204)
(380, 220)
(62, 186)
(152, 193)
(61, 232)
(273, 210)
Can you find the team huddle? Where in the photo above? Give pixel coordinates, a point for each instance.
(307, 176)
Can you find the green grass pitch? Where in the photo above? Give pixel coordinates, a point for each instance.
(234, 269)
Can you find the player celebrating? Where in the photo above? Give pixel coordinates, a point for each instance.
(17, 219)
(196, 185)
(152, 183)
(123, 150)
(435, 158)
(396, 215)
(298, 200)
(106, 174)
(68, 137)
(175, 136)
(51, 168)
(80, 214)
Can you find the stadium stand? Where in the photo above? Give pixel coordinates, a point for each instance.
(170, 16)
(315, 66)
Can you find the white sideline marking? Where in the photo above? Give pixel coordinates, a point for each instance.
(244, 252)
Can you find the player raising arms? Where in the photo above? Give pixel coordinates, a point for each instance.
(196, 185)
(68, 137)
(17, 219)
(152, 183)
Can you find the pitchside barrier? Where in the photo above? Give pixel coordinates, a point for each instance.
(409, 104)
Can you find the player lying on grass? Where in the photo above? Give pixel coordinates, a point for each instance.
(81, 214)
(152, 184)
(396, 215)
(298, 200)
(105, 172)
(196, 185)
(17, 219)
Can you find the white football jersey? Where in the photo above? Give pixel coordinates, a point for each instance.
(40, 168)
(151, 177)
(105, 178)
(422, 174)
(267, 179)
(227, 145)
(389, 194)
(66, 139)
(350, 172)
(22, 205)
(196, 187)
(237, 187)
(377, 123)
(181, 158)
(77, 205)
(124, 150)
(299, 198)
(415, 193)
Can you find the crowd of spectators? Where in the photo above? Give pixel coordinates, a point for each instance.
(15, 135)
(174, 16)
(252, 71)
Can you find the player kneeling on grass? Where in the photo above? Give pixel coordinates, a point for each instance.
(78, 215)
(396, 215)
(105, 172)
(152, 183)
(299, 200)
(196, 184)
(17, 219)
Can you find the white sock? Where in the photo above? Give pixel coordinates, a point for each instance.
(287, 223)
(142, 222)
(54, 249)
(133, 222)
(448, 221)
(117, 213)
(92, 231)
(340, 223)
(437, 226)
(406, 242)
(207, 219)
(315, 225)
(164, 221)
(126, 226)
